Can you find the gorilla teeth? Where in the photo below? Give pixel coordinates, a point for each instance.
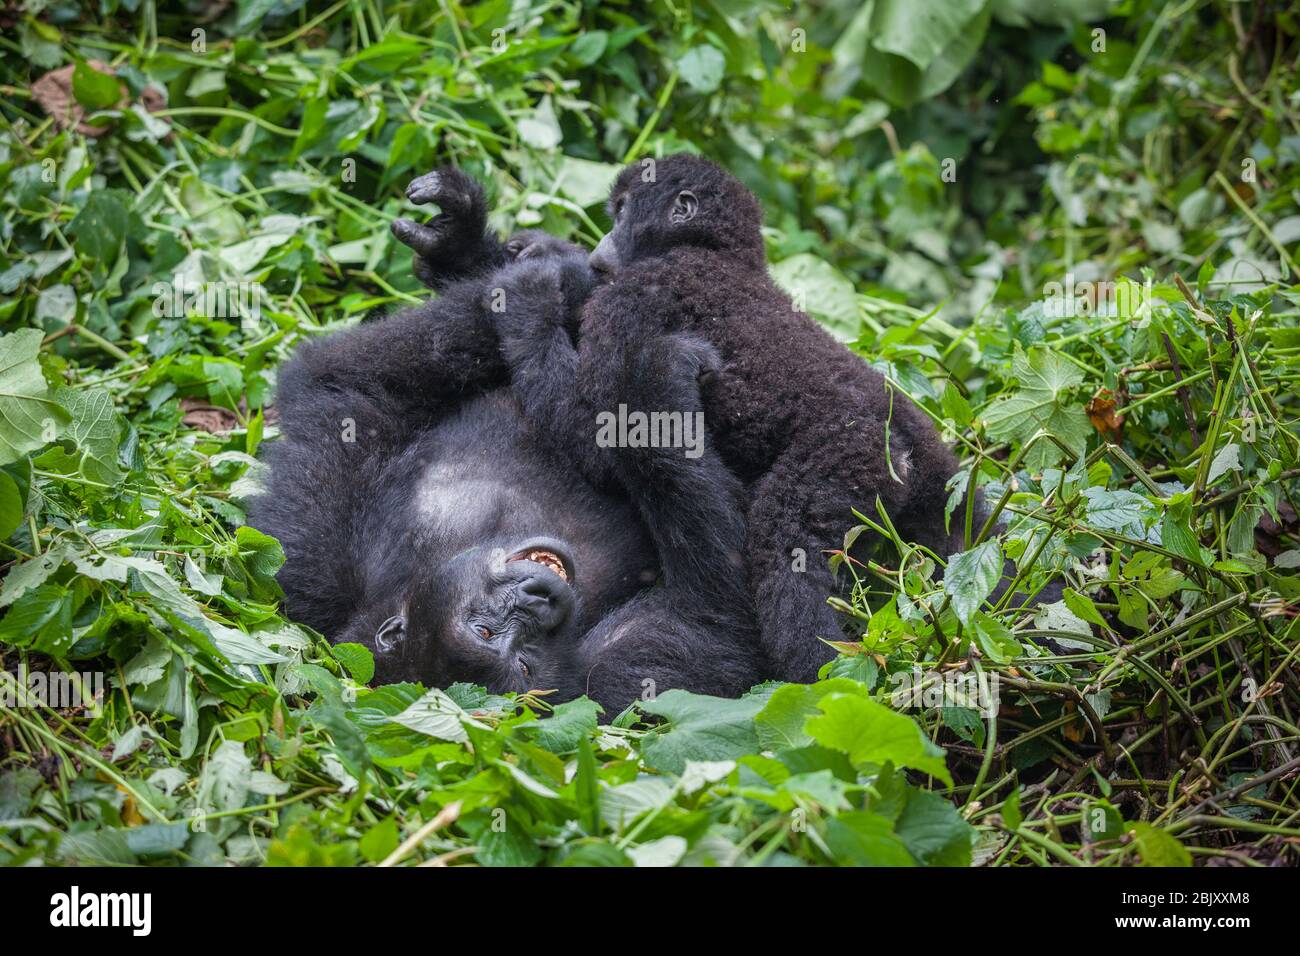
(548, 559)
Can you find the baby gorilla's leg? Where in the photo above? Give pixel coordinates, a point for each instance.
(793, 520)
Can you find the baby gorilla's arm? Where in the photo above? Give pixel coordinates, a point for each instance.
(533, 306)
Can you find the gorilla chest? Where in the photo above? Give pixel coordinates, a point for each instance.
(467, 498)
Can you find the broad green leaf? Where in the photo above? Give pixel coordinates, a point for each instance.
(41, 619)
(971, 577)
(568, 724)
(869, 732)
(780, 724)
(859, 838)
(101, 225)
(224, 784)
(933, 830)
(700, 728)
(920, 30)
(93, 431)
(621, 805)
(435, 715)
(29, 417)
(11, 506)
(358, 659)
(94, 89)
(1225, 460)
(1043, 402)
(702, 68)
(1158, 848)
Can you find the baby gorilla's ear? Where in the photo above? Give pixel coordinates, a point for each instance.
(390, 633)
(684, 207)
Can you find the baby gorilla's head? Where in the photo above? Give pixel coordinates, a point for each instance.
(680, 200)
(503, 617)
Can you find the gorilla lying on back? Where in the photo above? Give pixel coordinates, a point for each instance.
(422, 516)
(810, 428)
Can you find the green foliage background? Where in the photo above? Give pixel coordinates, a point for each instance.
(932, 172)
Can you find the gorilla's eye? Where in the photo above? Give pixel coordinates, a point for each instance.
(524, 668)
(484, 632)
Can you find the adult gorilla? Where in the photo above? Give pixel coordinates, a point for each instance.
(422, 516)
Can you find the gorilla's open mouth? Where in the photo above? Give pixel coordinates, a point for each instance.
(547, 558)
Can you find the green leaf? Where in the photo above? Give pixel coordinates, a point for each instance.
(1010, 811)
(702, 68)
(933, 830)
(541, 130)
(823, 291)
(29, 417)
(41, 619)
(1083, 607)
(95, 90)
(358, 659)
(1158, 848)
(1117, 510)
(621, 805)
(869, 732)
(700, 728)
(780, 724)
(93, 431)
(920, 30)
(100, 227)
(11, 506)
(570, 723)
(1176, 533)
(589, 46)
(224, 784)
(859, 838)
(971, 577)
(1227, 459)
(1041, 403)
(379, 841)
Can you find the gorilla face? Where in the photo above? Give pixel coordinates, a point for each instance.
(506, 618)
(681, 200)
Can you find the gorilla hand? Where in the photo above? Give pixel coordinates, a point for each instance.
(542, 292)
(455, 243)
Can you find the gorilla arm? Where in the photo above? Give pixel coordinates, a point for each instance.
(410, 364)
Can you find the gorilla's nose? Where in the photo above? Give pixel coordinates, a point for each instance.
(604, 258)
(547, 598)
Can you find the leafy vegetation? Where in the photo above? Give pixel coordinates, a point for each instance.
(1067, 230)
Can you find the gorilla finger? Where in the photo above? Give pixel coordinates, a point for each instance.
(424, 240)
(423, 189)
(449, 188)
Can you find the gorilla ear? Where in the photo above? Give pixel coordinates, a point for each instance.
(684, 207)
(390, 632)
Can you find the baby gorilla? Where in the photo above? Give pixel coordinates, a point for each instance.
(810, 428)
(423, 516)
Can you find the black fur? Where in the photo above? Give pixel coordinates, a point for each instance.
(398, 539)
(802, 422)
